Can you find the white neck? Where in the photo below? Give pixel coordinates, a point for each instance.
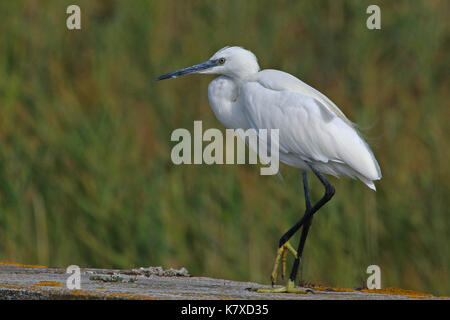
(223, 93)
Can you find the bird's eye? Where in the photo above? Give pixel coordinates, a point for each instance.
(221, 60)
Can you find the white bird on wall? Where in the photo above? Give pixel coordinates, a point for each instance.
(314, 135)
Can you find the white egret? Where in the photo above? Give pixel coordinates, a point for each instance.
(314, 135)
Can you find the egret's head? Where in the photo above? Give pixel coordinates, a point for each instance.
(235, 62)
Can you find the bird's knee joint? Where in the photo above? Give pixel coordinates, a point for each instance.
(282, 241)
(329, 192)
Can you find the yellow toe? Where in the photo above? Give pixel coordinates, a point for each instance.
(289, 288)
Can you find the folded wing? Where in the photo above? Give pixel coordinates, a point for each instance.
(310, 126)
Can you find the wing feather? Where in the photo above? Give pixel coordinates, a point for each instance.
(308, 128)
(280, 81)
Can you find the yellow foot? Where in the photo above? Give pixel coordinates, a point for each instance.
(290, 288)
(281, 255)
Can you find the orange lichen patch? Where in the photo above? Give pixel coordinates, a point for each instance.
(11, 286)
(128, 296)
(46, 283)
(324, 288)
(100, 288)
(399, 291)
(80, 292)
(87, 294)
(22, 265)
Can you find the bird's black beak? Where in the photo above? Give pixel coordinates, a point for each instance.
(193, 69)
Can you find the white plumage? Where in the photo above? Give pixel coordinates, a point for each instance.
(313, 133)
(312, 129)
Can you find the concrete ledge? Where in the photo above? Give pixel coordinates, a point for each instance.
(19, 281)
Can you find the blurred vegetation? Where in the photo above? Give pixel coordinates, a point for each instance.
(85, 171)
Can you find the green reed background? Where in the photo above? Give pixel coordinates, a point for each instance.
(85, 171)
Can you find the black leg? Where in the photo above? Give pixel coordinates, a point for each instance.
(306, 225)
(306, 190)
(301, 245)
(329, 192)
(297, 226)
(307, 218)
